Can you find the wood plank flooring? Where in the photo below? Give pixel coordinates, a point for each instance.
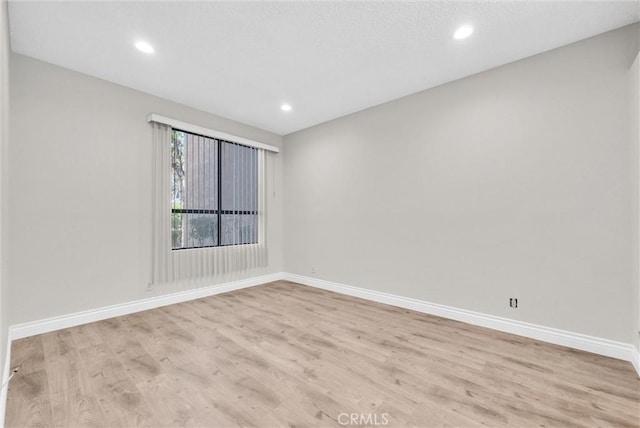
(282, 354)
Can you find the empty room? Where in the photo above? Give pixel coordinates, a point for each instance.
(319, 213)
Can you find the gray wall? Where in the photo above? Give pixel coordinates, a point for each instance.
(80, 190)
(634, 121)
(4, 141)
(515, 182)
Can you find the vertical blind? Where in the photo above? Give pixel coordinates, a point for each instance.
(208, 206)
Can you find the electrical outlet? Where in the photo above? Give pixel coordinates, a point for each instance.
(313, 270)
(513, 302)
(149, 286)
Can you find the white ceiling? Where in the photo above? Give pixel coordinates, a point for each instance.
(242, 60)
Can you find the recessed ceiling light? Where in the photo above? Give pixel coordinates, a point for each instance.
(285, 107)
(463, 32)
(145, 47)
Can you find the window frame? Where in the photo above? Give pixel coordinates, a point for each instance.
(219, 212)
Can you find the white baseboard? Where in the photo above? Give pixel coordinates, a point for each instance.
(623, 351)
(583, 342)
(47, 325)
(5, 376)
(635, 359)
(609, 348)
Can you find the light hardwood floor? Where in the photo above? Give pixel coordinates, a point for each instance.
(282, 354)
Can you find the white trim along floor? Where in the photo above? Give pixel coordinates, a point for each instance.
(609, 348)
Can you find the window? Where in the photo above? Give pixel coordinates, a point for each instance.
(214, 192)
